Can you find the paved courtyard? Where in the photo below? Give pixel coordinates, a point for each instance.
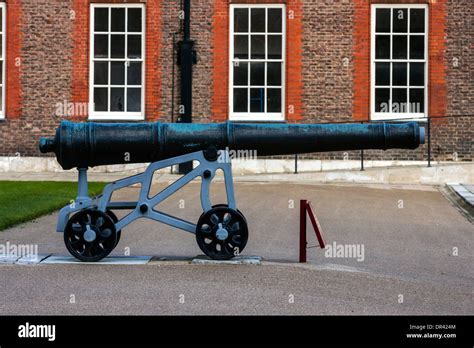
(417, 259)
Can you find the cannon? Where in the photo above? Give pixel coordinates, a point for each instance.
(91, 228)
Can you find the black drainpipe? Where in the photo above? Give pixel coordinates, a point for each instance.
(186, 60)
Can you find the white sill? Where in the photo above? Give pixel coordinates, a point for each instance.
(262, 117)
(399, 118)
(116, 116)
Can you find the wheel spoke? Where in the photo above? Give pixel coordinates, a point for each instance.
(105, 233)
(99, 222)
(87, 249)
(77, 227)
(75, 241)
(227, 218)
(215, 219)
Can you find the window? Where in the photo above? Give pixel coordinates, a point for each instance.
(399, 61)
(117, 63)
(2, 59)
(257, 64)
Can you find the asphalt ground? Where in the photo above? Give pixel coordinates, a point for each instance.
(417, 259)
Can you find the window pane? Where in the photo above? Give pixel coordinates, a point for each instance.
(417, 74)
(134, 19)
(400, 20)
(241, 74)
(241, 46)
(1, 45)
(118, 46)
(417, 20)
(382, 47)
(117, 99)
(1, 75)
(1, 99)
(274, 46)
(382, 74)
(100, 99)
(101, 73)
(257, 100)
(118, 19)
(417, 47)
(257, 74)
(275, 20)
(117, 73)
(382, 20)
(399, 100)
(241, 20)
(134, 46)
(417, 100)
(101, 19)
(240, 99)
(101, 46)
(258, 47)
(274, 74)
(258, 20)
(399, 74)
(382, 96)
(274, 100)
(399, 47)
(134, 99)
(134, 73)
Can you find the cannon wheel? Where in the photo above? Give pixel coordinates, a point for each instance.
(114, 217)
(222, 233)
(90, 235)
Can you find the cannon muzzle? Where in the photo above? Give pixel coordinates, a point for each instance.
(91, 144)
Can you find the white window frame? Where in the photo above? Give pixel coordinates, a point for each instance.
(116, 115)
(260, 116)
(3, 59)
(392, 115)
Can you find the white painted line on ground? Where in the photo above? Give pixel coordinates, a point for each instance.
(238, 260)
(31, 260)
(112, 260)
(8, 259)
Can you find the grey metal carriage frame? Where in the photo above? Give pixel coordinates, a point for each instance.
(144, 206)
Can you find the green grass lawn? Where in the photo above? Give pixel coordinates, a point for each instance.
(22, 201)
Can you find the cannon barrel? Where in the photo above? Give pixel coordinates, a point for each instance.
(91, 144)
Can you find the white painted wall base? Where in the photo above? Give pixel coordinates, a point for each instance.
(388, 172)
(261, 166)
(50, 165)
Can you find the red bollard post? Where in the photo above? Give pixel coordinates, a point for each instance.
(305, 208)
(303, 242)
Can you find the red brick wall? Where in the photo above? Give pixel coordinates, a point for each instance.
(327, 61)
(38, 72)
(361, 49)
(436, 59)
(294, 61)
(328, 67)
(220, 69)
(80, 55)
(14, 40)
(153, 64)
